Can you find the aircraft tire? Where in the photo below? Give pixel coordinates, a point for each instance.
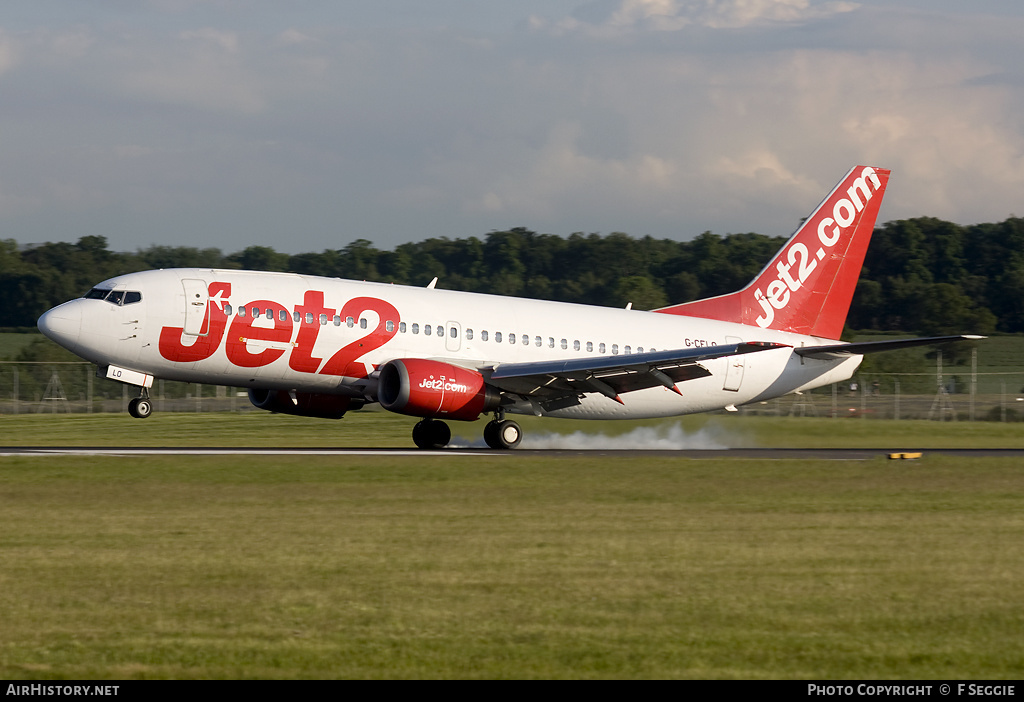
(491, 435)
(140, 408)
(503, 435)
(431, 434)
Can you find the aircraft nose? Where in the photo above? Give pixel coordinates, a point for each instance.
(62, 324)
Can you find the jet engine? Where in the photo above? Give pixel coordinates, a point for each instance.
(424, 388)
(303, 404)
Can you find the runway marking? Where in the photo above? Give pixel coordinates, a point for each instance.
(777, 454)
(237, 452)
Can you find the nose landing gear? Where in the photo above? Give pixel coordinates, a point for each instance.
(141, 407)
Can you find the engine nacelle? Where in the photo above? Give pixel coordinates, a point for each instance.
(423, 388)
(303, 404)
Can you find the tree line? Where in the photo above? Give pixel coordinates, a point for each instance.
(921, 275)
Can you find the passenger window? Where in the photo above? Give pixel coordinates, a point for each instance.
(241, 311)
(590, 346)
(453, 333)
(497, 337)
(537, 341)
(576, 345)
(270, 314)
(401, 327)
(469, 335)
(440, 331)
(349, 322)
(297, 317)
(600, 348)
(639, 349)
(323, 319)
(255, 312)
(362, 322)
(283, 315)
(427, 329)
(626, 350)
(228, 310)
(337, 320)
(389, 326)
(512, 338)
(565, 344)
(415, 328)
(615, 349)
(483, 335)
(309, 318)
(526, 339)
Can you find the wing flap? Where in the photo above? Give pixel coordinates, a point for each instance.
(551, 382)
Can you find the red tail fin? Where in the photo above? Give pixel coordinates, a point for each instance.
(808, 286)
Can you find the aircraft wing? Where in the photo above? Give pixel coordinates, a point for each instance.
(558, 384)
(839, 351)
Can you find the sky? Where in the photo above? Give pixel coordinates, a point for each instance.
(306, 124)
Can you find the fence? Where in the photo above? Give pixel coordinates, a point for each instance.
(72, 387)
(45, 387)
(880, 396)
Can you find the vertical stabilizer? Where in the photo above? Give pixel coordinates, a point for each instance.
(808, 286)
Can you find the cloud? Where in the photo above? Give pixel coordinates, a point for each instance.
(204, 69)
(612, 17)
(8, 53)
(228, 135)
(226, 41)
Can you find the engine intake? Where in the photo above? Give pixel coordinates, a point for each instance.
(423, 388)
(303, 404)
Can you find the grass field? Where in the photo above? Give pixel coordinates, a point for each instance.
(376, 429)
(515, 565)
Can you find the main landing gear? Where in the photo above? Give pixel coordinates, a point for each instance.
(431, 434)
(141, 407)
(500, 433)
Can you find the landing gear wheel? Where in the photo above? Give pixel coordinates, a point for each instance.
(140, 407)
(431, 434)
(504, 434)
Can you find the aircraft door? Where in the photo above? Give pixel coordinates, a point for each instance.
(196, 296)
(735, 368)
(453, 336)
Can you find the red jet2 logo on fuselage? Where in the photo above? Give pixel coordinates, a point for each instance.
(242, 330)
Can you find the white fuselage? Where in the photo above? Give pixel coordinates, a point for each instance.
(327, 335)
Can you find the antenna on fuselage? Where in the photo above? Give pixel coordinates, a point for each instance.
(431, 284)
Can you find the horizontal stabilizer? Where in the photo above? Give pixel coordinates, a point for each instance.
(832, 352)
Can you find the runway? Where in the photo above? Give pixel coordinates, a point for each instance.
(835, 454)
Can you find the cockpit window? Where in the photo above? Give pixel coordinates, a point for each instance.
(114, 297)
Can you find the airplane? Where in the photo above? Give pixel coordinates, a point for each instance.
(320, 347)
